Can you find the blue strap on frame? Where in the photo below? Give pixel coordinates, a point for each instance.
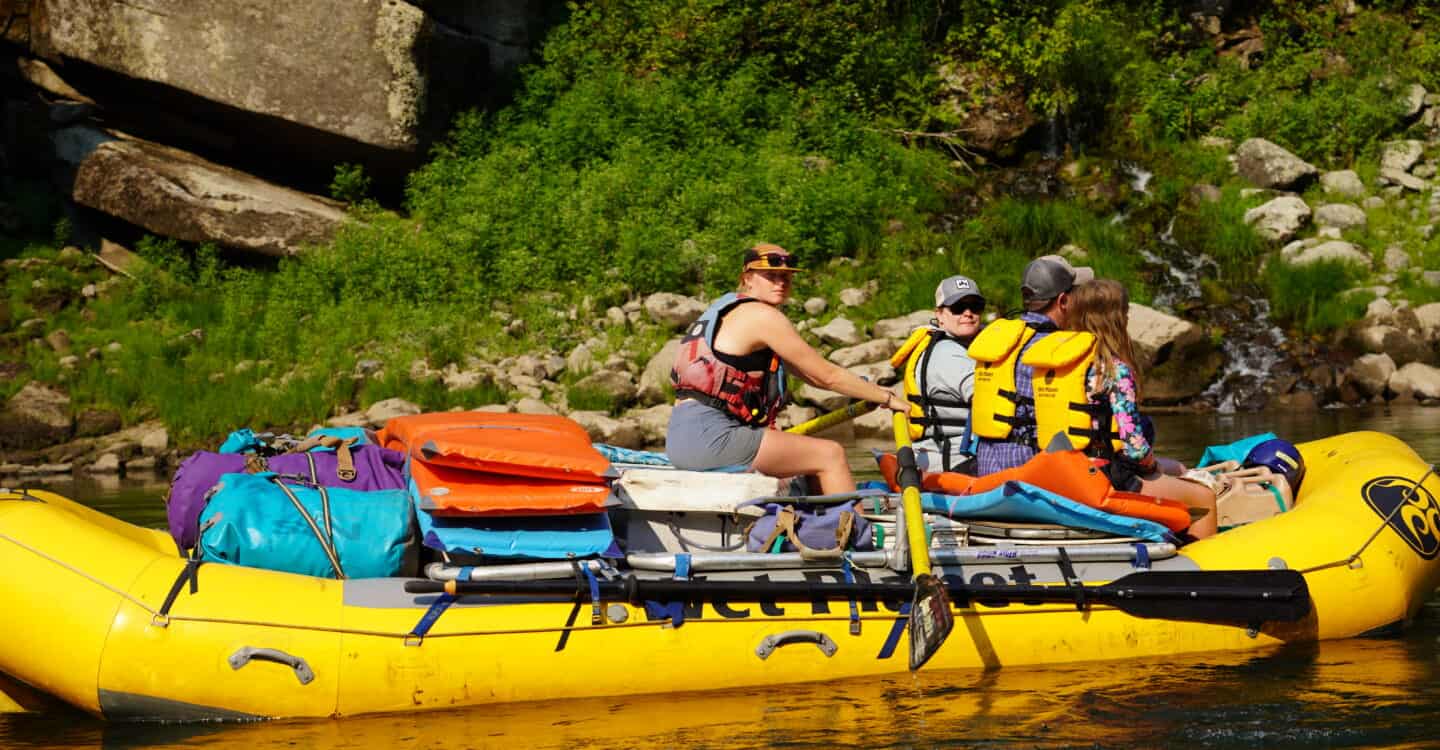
(1142, 556)
(893, 639)
(416, 636)
(854, 606)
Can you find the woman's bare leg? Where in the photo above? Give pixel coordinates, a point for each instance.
(1189, 493)
(785, 455)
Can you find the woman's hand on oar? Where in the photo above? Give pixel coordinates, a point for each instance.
(930, 617)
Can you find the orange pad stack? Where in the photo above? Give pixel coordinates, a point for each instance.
(484, 463)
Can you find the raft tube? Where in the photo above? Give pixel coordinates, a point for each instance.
(88, 623)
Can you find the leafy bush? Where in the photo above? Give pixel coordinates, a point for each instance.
(1310, 297)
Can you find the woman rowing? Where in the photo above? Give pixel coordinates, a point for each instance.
(729, 379)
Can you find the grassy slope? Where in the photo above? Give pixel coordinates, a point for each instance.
(655, 138)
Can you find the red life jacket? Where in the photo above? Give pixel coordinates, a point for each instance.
(753, 397)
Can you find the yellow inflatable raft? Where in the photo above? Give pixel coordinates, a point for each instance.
(88, 621)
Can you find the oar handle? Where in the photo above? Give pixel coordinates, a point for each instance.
(909, 480)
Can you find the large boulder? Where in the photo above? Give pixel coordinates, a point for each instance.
(1343, 182)
(1268, 165)
(1418, 380)
(1340, 215)
(899, 328)
(37, 416)
(1429, 319)
(993, 115)
(1370, 373)
(655, 380)
(1340, 250)
(653, 423)
(839, 331)
(1177, 358)
(404, 75)
(1157, 336)
(873, 350)
(618, 385)
(381, 412)
(177, 194)
(674, 310)
(603, 428)
(1401, 155)
(1280, 218)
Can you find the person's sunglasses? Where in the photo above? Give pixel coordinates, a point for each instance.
(769, 261)
(971, 305)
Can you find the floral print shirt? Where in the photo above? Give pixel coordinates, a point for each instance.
(1123, 394)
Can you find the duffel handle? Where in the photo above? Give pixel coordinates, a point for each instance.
(247, 654)
(770, 643)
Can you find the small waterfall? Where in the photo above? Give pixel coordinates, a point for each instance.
(1183, 271)
(1252, 353)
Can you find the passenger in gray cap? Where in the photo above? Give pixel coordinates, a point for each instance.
(1002, 413)
(939, 377)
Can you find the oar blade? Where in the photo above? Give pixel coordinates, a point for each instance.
(1245, 597)
(931, 619)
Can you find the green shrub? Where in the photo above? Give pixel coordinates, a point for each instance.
(1310, 298)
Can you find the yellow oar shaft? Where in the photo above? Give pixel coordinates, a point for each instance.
(830, 419)
(909, 478)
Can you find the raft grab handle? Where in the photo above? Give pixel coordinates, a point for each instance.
(770, 643)
(247, 654)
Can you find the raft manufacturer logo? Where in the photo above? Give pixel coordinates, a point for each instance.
(1418, 522)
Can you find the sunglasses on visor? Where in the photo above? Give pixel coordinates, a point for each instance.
(770, 261)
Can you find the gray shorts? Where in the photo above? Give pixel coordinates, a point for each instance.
(702, 438)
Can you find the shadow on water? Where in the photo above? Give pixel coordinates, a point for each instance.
(1357, 693)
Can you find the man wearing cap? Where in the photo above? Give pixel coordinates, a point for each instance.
(729, 379)
(939, 376)
(1003, 409)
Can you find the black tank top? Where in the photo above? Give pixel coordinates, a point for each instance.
(755, 361)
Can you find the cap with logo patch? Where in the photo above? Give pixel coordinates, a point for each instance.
(956, 288)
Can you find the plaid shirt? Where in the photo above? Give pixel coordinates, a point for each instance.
(999, 455)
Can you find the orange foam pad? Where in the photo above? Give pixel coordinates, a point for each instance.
(447, 491)
(528, 445)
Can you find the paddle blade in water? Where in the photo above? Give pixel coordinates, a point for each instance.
(930, 619)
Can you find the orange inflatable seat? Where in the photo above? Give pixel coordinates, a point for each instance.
(447, 491)
(1070, 474)
(540, 446)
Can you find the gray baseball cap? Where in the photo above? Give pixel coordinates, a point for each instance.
(956, 288)
(1048, 277)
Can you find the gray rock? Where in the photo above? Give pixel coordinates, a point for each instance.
(1424, 171)
(533, 406)
(37, 416)
(875, 425)
(900, 328)
(1430, 278)
(655, 379)
(89, 291)
(59, 340)
(653, 423)
(1379, 309)
(619, 385)
(821, 398)
(555, 364)
(673, 310)
(1279, 219)
(1333, 250)
(381, 412)
(1329, 233)
(405, 75)
(794, 414)
(351, 419)
(69, 361)
(1340, 215)
(177, 194)
(1404, 180)
(108, 463)
(840, 331)
(581, 359)
(853, 297)
(1428, 317)
(873, 350)
(1268, 165)
(456, 379)
(1401, 155)
(1343, 182)
(144, 463)
(1396, 259)
(154, 441)
(1372, 203)
(93, 422)
(816, 306)
(631, 306)
(1079, 255)
(1215, 141)
(1412, 98)
(1370, 373)
(616, 317)
(1416, 379)
(604, 429)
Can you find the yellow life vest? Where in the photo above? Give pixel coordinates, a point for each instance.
(996, 351)
(911, 356)
(1062, 405)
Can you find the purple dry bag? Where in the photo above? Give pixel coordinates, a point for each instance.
(374, 468)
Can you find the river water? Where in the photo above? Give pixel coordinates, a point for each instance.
(1357, 693)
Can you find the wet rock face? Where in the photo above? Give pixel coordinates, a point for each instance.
(36, 417)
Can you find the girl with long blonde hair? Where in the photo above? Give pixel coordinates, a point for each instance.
(1102, 307)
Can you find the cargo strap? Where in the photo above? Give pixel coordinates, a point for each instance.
(327, 537)
(344, 460)
(416, 636)
(1142, 556)
(1072, 581)
(191, 574)
(585, 580)
(785, 524)
(892, 640)
(845, 567)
